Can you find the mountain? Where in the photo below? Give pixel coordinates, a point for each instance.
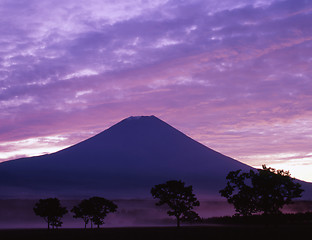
(124, 161)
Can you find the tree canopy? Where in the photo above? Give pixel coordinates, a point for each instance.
(263, 191)
(83, 211)
(51, 211)
(179, 198)
(94, 209)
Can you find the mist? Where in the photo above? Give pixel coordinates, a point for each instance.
(18, 213)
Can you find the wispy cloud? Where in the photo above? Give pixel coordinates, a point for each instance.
(234, 75)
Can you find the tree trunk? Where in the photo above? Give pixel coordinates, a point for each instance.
(178, 221)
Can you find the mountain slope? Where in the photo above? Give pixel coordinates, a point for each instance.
(125, 160)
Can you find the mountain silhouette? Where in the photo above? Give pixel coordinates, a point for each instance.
(124, 161)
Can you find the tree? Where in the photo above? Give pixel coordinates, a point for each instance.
(179, 198)
(94, 209)
(274, 189)
(83, 210)
(51, 211)
(240, 194)
(266, 190)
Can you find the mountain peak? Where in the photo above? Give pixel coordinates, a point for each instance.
(125, 160)
(130, 156)
(139, 117)
(134, 123)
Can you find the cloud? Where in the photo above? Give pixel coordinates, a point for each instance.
(231, 74)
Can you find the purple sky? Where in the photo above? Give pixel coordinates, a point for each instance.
(233, 75)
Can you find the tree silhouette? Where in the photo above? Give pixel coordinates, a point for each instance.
(100, 208)
(274, 189)
(94, 209)
(239, 193)
(83, 210)
(266, 190)
(51, 211)
(179, 198)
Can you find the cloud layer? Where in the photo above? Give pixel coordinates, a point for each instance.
(233, 75)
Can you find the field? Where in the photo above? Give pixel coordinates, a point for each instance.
(21, 223)
(166, 233)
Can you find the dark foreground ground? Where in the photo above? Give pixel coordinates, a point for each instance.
(167, 233)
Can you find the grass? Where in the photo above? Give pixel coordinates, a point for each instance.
(167, 233)
(281, 219)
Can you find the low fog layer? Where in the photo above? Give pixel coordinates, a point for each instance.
(137, 212)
